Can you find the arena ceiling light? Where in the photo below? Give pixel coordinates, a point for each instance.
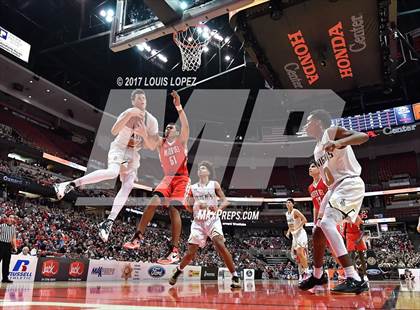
(109, 18)
(18, 157)
(218, 37)
(205, 34)
(146, 47)
(108, 15)
(228, 58)
(29, 195)
(162, 58)
(183, 5)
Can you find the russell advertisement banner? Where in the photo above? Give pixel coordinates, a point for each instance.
(22, 268)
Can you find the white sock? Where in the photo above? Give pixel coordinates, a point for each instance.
(350, 272)
(99, 175)
(318, 272)
(234, 274)
(122, 196)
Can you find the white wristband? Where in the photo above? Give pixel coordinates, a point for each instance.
(178, 108)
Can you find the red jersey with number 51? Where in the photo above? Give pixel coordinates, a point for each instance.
(317, 192)
(173, 158)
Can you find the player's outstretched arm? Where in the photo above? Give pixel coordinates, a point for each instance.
(149, 134)
(14, 246)
(190, 202)
(150, 142)
(124, 118)
(303, 220)
(288, 232)
(359, 222)
(153, 142)
(185, 126)
(315, 212)
(219, 192)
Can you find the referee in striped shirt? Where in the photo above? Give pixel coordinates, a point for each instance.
(7, 242)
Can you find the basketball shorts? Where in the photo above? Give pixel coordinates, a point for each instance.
(351, 243)
(174, 188)
(127, 157)
(347, 197)
(200, 230)
(300, 240)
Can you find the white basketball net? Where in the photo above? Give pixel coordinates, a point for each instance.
(192, 43)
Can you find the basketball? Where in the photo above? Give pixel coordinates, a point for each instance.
(135, 121)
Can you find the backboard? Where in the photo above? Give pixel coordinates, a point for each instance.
(138, 21)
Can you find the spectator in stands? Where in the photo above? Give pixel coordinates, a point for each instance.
(25, 251)
(407, 275)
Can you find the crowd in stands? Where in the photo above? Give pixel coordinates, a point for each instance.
(51, 230)
(395, 250)
(10, 134)
(32, 173)
(47, 229)
(7, 133)
(283, 271)
(35, 172)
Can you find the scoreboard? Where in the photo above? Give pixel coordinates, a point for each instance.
(402, 115)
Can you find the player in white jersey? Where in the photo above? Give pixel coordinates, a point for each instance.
(340, 171)
(296, 222)
(204, 197)
(134, 129)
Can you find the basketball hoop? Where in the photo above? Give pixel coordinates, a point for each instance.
(192, 43)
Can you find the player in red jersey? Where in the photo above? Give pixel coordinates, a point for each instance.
(174, 187)
(317, 189)
(355, 243)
